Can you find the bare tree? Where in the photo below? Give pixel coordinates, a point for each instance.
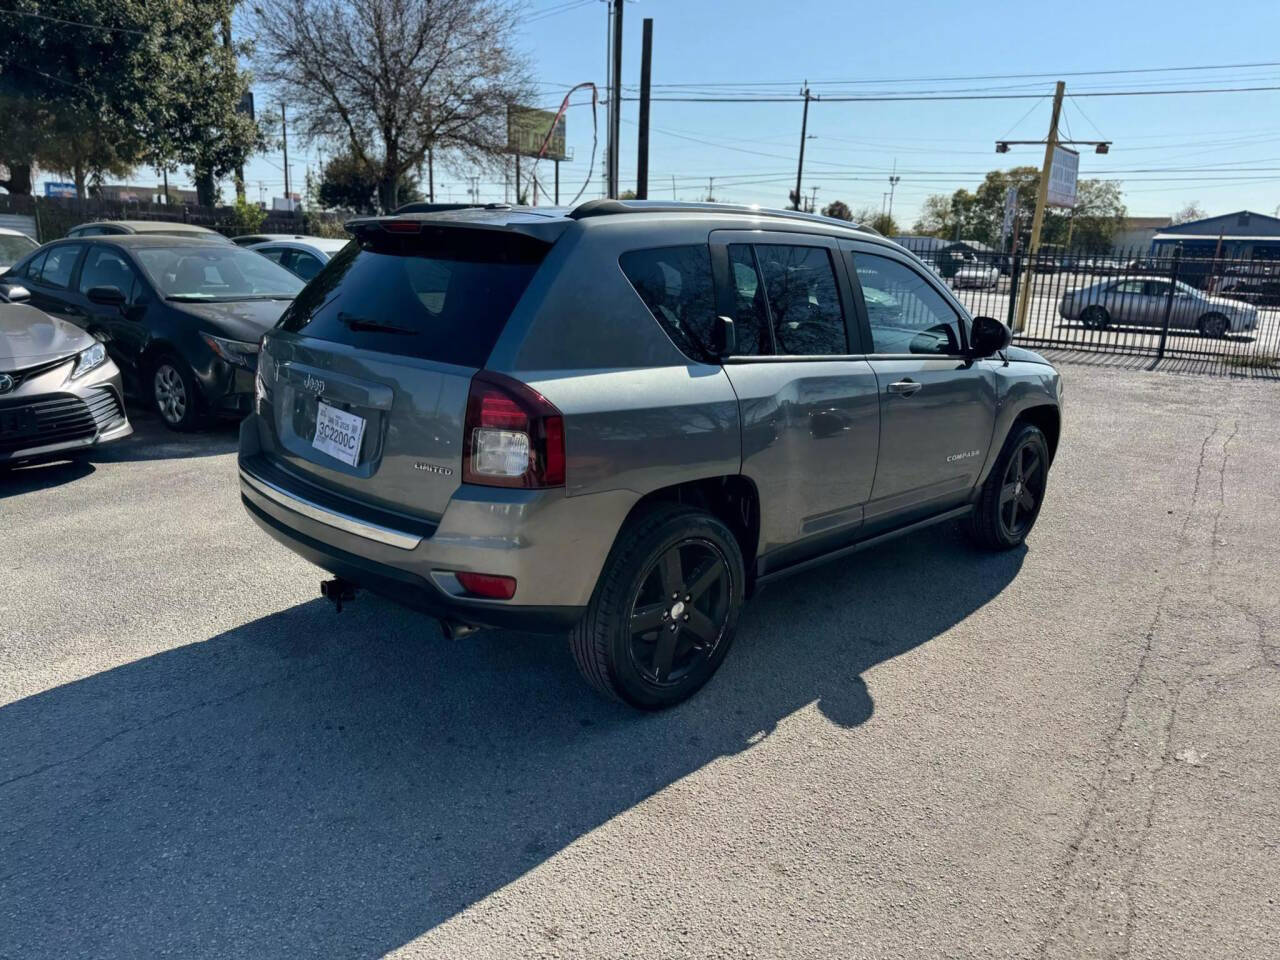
(395, 83)
(1192, 211)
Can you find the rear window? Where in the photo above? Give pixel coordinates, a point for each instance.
(444, 295)
(675, 284)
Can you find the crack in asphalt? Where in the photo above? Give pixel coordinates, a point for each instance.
(1096, 913)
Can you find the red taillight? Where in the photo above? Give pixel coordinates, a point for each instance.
(488, 585)
(512, 435)
(402, 226)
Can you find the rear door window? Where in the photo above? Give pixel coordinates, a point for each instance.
(751, 315)
(445, 295)
(675, 284)
(59, 265)
(804, 300)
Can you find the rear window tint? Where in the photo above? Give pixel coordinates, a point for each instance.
(675, 284)
(444, 296)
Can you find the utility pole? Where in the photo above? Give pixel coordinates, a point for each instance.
(804, 132)
(284, 142)
(557, 166)
(642, 160)
(517, 179)
(673, 187)
(615, 99)
(813, 200)
(1042, 196)
(226, 43)
(431, 176)
(893, 185)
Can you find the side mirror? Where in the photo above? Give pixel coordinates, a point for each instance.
(15, 293)
(724, 339)
(988, 336)
(107, 296)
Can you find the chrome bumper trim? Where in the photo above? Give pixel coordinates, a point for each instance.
(332, 518)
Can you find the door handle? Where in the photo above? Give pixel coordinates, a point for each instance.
(904, 388)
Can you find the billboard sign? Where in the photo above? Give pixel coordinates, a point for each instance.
(527, 129)
(67, 190)
(1062, 178)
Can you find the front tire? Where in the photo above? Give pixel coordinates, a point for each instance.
(664, 610)
(1010, 500)
(175, 394)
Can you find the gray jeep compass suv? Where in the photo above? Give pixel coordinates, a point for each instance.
(616, 421)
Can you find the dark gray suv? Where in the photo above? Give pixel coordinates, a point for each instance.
(617, 421)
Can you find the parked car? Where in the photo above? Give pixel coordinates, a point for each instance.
(181, 317)
(975, 275)
(249, 239)
(114, 228)
(14, 245)
(1258, 284)
(59, 391)
(305, 256)
(1143, 301)
(618, 421)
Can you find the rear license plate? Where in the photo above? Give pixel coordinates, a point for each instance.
(17, 423)
(338, 433)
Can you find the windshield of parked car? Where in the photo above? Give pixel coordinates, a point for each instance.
(213, 272)
(13, 249)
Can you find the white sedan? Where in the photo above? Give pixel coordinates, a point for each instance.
(977, 275)
(1143, 302)
(304, 256)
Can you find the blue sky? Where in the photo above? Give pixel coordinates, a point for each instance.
(1174, 141)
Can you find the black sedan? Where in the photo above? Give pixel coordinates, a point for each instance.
(181, 318)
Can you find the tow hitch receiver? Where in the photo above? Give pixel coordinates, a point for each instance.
(338, 592)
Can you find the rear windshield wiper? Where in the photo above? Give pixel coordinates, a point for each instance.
(359, 324)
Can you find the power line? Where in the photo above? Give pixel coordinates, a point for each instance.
(905, 97)
(990, 76)
(72, 23)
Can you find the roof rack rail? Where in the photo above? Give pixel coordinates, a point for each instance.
(606, 207)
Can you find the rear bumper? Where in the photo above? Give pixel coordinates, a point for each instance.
(554, 546)
(409, 589)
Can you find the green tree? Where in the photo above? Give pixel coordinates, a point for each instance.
(837, 209)
(348, 183)
(136, 81)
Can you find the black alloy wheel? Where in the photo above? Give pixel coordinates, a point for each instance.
(661, 619)
(1022, 489)
(680, 612)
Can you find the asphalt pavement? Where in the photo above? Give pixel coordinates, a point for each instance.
(1067, 751)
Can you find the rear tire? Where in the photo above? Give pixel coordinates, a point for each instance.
(671, 566)
(1214, 326)
(1095, 317)
(175, 394)
(1009, 503)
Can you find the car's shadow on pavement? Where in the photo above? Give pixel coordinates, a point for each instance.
(150, 440)
(314, 784)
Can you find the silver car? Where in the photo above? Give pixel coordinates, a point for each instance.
(59, 391)
(302, 256)
(1143, 302)
(615, 422)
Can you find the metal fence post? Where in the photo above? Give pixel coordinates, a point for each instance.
(1168, 306)
(1013, 285)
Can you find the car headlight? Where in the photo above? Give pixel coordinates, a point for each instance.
(235, 352)
(89, 359)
